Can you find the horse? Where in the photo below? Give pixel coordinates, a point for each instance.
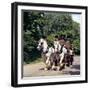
(69, 57)
(65, 49)
(46, 52)
(58, 57)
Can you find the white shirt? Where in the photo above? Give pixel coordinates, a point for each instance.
(57, 46)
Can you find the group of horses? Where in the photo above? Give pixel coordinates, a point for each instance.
(56, 59)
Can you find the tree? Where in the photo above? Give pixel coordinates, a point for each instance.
(39, 23)
(33, 24)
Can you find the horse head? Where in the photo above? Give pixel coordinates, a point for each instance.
(42, 45)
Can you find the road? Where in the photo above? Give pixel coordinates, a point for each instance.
(32, 70)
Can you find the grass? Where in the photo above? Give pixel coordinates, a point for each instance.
(35, 61)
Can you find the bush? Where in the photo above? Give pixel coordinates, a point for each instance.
(76, 44)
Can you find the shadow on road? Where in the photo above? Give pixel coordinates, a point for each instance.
(76, 67)
(74, 72)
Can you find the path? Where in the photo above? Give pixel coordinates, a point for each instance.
(37, 69)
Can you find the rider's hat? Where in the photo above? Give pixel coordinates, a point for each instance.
(62, 37)
(44, 37)
(56, 36)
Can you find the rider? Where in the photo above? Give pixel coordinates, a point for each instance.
(56, 44)
(69, 46)
(70, 52)
(63, 50)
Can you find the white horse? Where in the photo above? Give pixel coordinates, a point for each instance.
(46, 51)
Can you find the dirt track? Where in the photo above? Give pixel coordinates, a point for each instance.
(36, 69)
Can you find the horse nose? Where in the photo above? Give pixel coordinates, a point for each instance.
(38, 48)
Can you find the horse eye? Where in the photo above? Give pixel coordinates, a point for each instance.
(41, 43)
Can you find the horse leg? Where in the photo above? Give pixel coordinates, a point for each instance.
(61, 66)
(53, 66)
(71, 57)
(45, 59)
(67, 60)
(61, 62)
(71, 60)
(61, 57)
(48, 64)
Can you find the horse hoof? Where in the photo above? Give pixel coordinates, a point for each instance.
(62, 67)
(67, 65)
(45, 69)
(54, 69)
(71, 66)
(58, 68)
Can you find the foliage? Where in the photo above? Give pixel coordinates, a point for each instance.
(39, 23)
